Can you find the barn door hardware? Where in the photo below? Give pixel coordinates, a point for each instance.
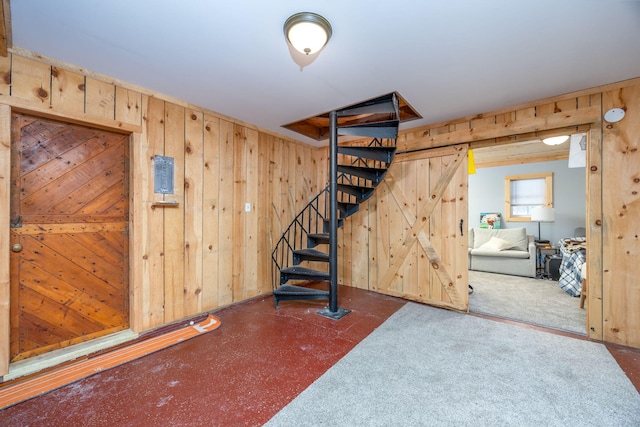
(461, 224)
(16, 222)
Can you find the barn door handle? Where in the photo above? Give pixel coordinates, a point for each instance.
(461, 223)
(15, 222)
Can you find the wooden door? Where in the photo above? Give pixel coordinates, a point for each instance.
(422, 216)
(69, 235)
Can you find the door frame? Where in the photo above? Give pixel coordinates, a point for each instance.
(6, 111)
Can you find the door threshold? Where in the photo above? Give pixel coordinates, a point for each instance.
(56, 357)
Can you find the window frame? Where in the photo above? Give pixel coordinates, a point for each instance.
(548, 196)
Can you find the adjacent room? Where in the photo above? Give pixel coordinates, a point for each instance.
(543, 284)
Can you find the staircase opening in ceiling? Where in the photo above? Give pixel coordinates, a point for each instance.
(318, 127)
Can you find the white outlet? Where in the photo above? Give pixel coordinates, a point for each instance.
(247, 207)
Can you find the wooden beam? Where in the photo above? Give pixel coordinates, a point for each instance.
(27, 107)
(5, 27)
(505, 129)
(5, 296)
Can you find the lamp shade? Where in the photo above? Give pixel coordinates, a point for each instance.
(307, 32)
(543, 214)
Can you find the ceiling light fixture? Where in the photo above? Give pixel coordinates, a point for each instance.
(555, 140)
(307, 32)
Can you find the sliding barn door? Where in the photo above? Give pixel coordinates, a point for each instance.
(69, 244)
(421, 240)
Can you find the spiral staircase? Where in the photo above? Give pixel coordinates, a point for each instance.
(305, 257)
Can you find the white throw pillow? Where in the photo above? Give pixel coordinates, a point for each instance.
(496, 244)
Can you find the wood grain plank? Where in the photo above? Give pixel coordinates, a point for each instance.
(239, 214)
(30, 80)
(423, 168)
(253, 255)
(174, 230)
(505, 126)
(226, 213)
(265, 239)
(45, 253)
(41, 143)
(99, 314)
(435, 284)
(67, 91)
(38, 169)
(410, 189)
(100, 99)
(210, 212)
(360, 247)
(128, 106)
(193, 192)
(400, 249)
(5, 75)
(5, 239)
(147, 269)
(621, 210)
(595, 231)
(383, 238)
(38, 201)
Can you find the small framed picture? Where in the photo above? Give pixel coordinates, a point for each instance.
(490, 220)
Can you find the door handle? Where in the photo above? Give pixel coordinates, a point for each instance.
(461, 224)
(16, 247)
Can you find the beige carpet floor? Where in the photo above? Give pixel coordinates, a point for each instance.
(431, 367)
(536, 301)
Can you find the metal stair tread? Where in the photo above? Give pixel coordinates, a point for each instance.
(360, 193)
(384, 129)
(312, 254)
(383, 154)
(299, 291)
(300, 272)
(320, 236)
(372, 174)
(383, 104)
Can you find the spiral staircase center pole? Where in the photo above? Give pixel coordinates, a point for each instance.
(333, 311)
(333, 203)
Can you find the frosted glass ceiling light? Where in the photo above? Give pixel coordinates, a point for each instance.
(555, 140)
(307, 32)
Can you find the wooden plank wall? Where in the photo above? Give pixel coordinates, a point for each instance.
(207, 251)
(5, 186)
(620, 163)
(612, 176)
(212, 251)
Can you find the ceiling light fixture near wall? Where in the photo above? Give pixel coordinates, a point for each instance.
(307, 32)
(555, 140)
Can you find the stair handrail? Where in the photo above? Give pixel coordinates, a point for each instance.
(313, 214)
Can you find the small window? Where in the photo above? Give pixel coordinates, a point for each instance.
(525, 192)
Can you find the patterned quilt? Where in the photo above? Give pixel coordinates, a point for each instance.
(574, 252)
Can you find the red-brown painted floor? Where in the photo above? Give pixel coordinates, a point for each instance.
(243, 373)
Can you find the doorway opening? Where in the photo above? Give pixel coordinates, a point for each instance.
(540, 301)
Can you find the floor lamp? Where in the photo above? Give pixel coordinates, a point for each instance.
(542, 214)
